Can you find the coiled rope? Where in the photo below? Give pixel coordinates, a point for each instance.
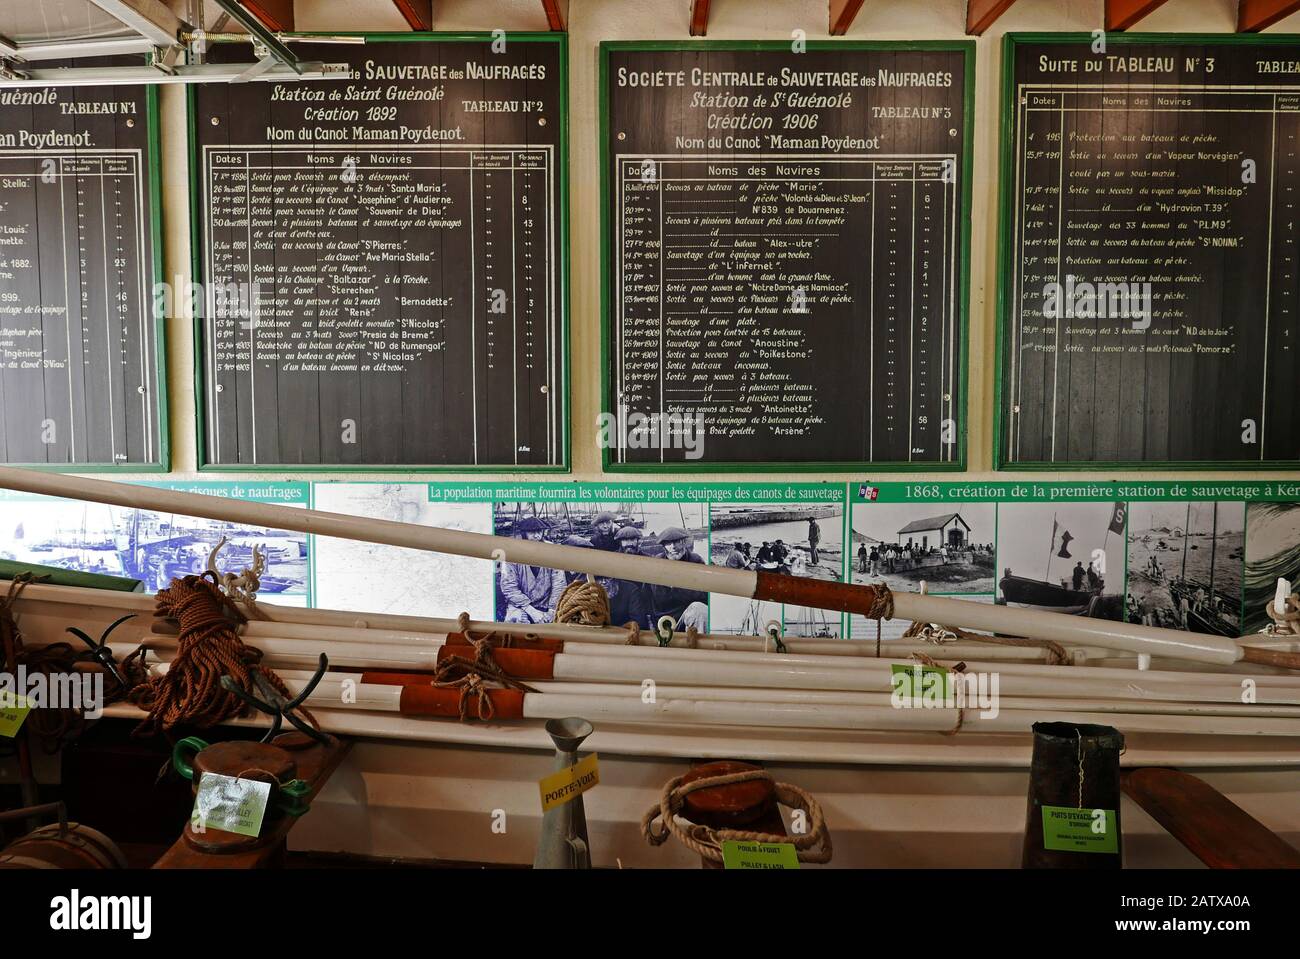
(812, 846)
(190, 692)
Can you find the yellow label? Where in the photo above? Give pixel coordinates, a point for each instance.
(13, 710)
(558, 788)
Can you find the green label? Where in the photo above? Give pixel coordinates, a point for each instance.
(230, 804)
(916, 684)
(758, 855)
(1066, 829)
(13, 712)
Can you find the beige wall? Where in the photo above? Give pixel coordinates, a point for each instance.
(594, 20)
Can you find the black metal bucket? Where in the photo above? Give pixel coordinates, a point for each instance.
(1073, 816)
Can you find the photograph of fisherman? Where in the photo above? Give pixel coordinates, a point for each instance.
(800, 539)
(603, 534)
(689, 607)
(531, 593)
(739, 557)
(629, 601)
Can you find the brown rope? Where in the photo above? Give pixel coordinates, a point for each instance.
(471, 676)
(53, 726)
(812, 846)
(633, 633)
(925, 660)
(1287, 623)
(190, 692)
(1056, 654)
(584, 601)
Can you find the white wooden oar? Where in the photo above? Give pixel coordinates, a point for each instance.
(799, 591)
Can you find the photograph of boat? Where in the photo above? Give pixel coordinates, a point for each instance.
(1185, 563)
(1070, 544)
(947, 546)
(152, 547)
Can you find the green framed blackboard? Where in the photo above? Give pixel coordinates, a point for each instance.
(385, 258)
(82, 369)
(785, 237)
(1149, 296)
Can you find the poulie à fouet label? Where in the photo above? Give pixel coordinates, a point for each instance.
(230, 804)
(560, 787)
(1067, 829)
(737, 854)
(13, 713)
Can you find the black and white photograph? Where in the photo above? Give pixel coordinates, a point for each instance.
(947, 546)
(1062, 557)
(738, 616)
(678, 531)
(150, 546)
(407, 582)
(801, 540)
(1185, 566)
(1272, 553)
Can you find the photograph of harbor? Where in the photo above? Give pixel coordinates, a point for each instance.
(530, 594)
(737, 616)
(779, 538)
(1062, 557)
(1272, 553)
(154, 548)
(1185, 565)
(947, 546)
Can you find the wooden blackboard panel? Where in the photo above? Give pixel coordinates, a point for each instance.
(384, 258)
(785, 237)
(1149, 265)
(80, 382)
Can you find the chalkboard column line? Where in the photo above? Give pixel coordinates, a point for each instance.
(67, 307)
(145, 339)
(871, 320)
(1268, 280)
(911, 321)
(473, 310)
(252, 326)
(1060, 257)
(951, 257)
(108, 312)
(663, 332)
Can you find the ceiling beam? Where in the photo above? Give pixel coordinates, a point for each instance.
(418, 13)
(1122, 14)
(274, 14)
(1255, 15)
(268, 41)
(982, 14)
(699, 18)
(842, 14)
(557, 14)
(149, 18)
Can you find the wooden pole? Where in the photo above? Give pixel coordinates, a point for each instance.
(775, 587)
